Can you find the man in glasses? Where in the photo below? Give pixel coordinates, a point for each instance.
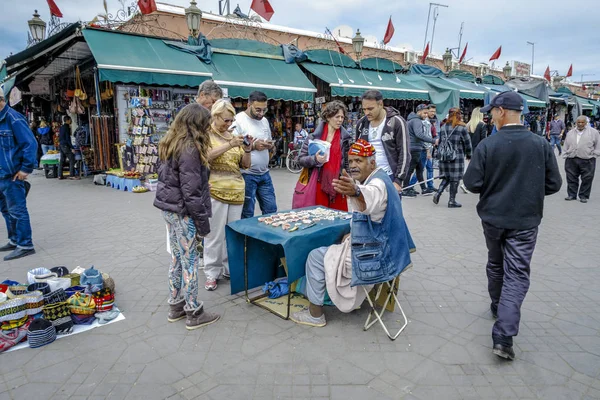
(259, 185)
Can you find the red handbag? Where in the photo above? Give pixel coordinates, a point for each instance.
(305, 193)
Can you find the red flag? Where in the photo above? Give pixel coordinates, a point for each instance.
(583, 87)
(54, 10)
(464, 53)
(147, 6)
(341, 50)
(570, 73)
(496, 55)
(389, 32)
(425, 54)
(547, 74)
(263, 8)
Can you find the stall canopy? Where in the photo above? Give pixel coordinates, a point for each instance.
(129, 58)
(492, 80)
(530, 101)
(355, 81)
(243, 74)
(328, 57)
(462, 75)
(381, 64)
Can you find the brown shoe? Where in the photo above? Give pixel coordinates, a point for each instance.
(198, 318)
(176, 311)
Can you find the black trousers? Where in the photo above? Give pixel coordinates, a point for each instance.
(415, 164)
(509, 257)
(576, 168)
(66, 152)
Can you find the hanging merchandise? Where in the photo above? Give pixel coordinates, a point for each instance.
(79, 90)
(76, 107)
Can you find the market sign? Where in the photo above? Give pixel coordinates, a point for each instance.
(521, 69)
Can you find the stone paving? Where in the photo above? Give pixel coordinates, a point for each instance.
(444, 352)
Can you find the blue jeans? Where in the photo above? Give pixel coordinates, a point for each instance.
(428, 165)
(261, 187)
(555, 140)
(14, 211)
(46, 147)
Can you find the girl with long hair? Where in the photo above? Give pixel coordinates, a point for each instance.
(184, 198)
(453, 135)
(476, 127)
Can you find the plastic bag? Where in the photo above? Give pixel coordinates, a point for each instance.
(277, 288)
(315, 146)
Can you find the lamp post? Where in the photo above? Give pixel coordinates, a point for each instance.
(507, 70)
(193, 17)
(447, 58)
(37, 28)
(532, 44)
(582, 75)
(357, 44)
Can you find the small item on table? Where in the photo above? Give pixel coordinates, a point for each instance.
(286, 226)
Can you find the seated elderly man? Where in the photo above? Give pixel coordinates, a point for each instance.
(376, 250)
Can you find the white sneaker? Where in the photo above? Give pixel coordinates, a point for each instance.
(304, 318)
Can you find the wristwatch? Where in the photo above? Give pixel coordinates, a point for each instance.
(358, 192)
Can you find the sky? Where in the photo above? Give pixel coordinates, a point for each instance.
(561, 36)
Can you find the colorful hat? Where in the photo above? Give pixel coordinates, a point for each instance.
(3, 287)
(362, 148)
(59, 283)
(13, 309)
(16, 291)
(81, 303)
(104, 300)
(11, 338)
(108, 282)
(40, 333)
(80, 319)
(15, 323)
(74, 289)
(34, 302)
(60, 271)
(8, 282)
(58, 296)
(92, 278)
(39, 273)
(39, 286)
(60, 316)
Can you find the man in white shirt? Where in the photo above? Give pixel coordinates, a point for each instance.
(582, 147)
(300, 135)
(258, 179)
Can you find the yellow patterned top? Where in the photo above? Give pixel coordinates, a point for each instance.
(227, 183)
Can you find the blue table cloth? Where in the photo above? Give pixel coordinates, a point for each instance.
(266, 245)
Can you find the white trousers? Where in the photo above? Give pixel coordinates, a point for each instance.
(216, 261)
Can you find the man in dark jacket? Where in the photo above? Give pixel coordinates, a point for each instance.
(512, 171)
(385, 129)
(418, 137)
(17, 161)
(66, 149)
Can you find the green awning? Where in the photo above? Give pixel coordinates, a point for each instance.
(329, 57)
(353, 82)
(242, 75)
(129, 58)
(533, 102)
(381, 64)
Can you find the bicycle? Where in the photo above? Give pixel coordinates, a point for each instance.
(292, 161)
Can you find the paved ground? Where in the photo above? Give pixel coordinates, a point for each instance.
(250, 354)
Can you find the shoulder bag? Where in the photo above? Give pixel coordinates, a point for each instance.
(446, 151)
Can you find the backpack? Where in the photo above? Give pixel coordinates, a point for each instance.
(446, 151)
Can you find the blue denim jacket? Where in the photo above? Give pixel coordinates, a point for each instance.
(17, 144)
(380, 250)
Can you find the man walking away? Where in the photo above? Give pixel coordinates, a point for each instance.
(418, 138)
(582, 146)
(66, 149)
(557, 130)
(19, 149)
(512, 171)
(258, 179)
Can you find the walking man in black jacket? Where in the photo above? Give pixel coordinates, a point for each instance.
(66, 149)
(512, 171)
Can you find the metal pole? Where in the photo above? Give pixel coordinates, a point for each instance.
(427, 26)
(462, 25)
(435, 17)
(532, 54)
(98, 98)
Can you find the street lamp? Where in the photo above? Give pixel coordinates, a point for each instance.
(193, 17)
(507, 70)
(357, 44)
(37, 28)
(447, 57)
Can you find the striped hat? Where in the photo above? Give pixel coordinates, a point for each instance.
(104, 300)
(60, 317)
(34, 302)
(40, 333)
(57, 296)
(13, 309)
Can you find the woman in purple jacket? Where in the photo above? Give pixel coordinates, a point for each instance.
(184, 197)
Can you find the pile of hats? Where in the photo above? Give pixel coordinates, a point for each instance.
(52, 302)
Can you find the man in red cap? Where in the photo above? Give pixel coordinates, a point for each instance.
(377, 224)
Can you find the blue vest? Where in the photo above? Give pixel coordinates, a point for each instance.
(380, 250)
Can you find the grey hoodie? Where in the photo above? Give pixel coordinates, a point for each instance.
(416, 133)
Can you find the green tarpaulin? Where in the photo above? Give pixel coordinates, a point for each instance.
(137, 59)
(381, 64)
(462, 75)
(329, 57)
(492, 80)
(242, 75)
(354, 82)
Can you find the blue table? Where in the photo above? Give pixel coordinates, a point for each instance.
(255, 250)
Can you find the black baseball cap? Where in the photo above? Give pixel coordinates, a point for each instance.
(508, 100)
